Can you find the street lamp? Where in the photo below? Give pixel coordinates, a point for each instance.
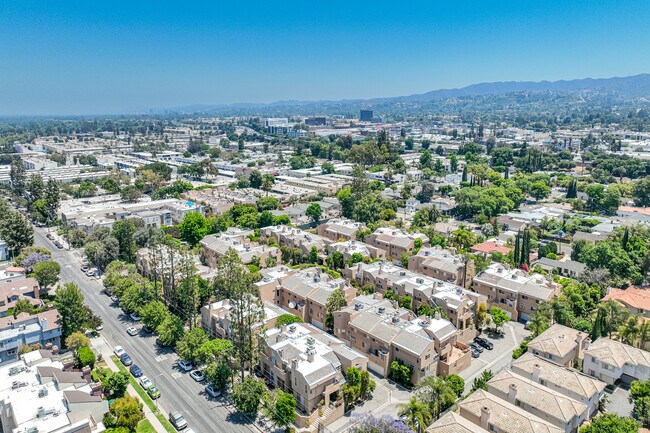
(154, 384)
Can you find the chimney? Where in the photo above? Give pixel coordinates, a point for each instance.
(512, 393)
(485, 417)
(437, 315)
(67, 363)
(95, 388)
(44, 324)
(537, 370)
(310, 356)
(294, 364)
(85, 373)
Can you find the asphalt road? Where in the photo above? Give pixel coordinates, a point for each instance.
(178, 390)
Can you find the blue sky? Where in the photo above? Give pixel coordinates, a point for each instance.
(96, 57)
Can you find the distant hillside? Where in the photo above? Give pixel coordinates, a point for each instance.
(633, 87)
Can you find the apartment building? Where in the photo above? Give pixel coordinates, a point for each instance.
(295, 238)
(387, 333)
(613, 362)
(12, 291)
(215, 317)
(567, 268)
(340, 229)
(515, 291)
(37, 394)
(310, 364)
(351, 248)
(551, 406)
(560, 344)
(635, 298)
(458, 304)
(496, 415)
(12, 273)
(214, 247)
(153, 213)
(302, 292)
(395, 242)
(42, 328)
(566, 381)
(222, 200)
(443, 264)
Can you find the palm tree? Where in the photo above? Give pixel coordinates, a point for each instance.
(644, 333)
(614, 315)
(417, 414)
(538, 324)
(629, 331)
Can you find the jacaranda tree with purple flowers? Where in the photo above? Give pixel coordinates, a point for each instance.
(366, 423)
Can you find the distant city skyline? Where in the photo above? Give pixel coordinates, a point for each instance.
(124, 57)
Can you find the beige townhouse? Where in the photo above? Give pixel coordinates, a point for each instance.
(443, 264)
(395, 242)
(560, 344)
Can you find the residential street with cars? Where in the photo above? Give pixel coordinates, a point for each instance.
(178, 392)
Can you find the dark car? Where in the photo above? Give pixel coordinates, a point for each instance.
(135, 370)
(147, 329)
(484, 342)
(475, 353)
(126, 359)
(477, 347)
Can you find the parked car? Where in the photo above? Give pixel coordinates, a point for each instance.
(147, 329)
(135, 317)
(119, 351)
(49, 236)
(145, 382)
(135, 370)
(84, 268)
(177, 420)
(132, 330)
(475, 353)
(153, 392)
(477, 347)
(126, 359)
(197, 375)
(185, 365)
(92, 272)
(58, 244)
(212, 391)
(484, 342)
(99, 328)
(114, 298)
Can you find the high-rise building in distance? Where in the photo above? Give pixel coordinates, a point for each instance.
(365, 115)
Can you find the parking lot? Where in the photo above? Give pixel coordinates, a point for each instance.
(498, 358)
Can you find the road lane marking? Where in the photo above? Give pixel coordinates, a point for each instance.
(177, 375)
(160, 358)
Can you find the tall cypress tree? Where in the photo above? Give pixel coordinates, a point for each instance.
(626, 237)
(516, 259)
(464, 176)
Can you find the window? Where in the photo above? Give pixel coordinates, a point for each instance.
(428, 356)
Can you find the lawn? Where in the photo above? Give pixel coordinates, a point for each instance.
(145, 426)
(145, 397)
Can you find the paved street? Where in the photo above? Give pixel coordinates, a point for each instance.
(179, 391)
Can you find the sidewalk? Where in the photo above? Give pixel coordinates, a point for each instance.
(100, 345)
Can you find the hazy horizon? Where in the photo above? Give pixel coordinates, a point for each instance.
(68, 58)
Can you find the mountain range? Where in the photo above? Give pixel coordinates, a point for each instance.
(632, 87)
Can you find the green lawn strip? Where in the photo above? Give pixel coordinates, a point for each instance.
(134, 383)
(145, 426)
(165, 423)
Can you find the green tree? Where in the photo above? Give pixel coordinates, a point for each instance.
(314, 212)
(77, 340)
(285, 410)
(17, 177)
(247, 395)
(499, 316)
(52, 199)
(610, 423)
(69, 302)
(130, 194)
(47, 274)
(416, 414)
(437, 393)
(85, 357)
(124, 412)
(481, 381)
(189, 346)
(16, 231)
(115, 383)
(335, 302)
(287, 319)
(327, 168)
(641, 192)
(193, 228)
(170, 330)
(124, 232)
(22, 305)
(154, 313)
(218, 375)
(456, 383)
(400, 372)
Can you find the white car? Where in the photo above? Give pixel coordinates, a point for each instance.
(135, 317)
(145, 382)
(132, 331)
(197, 375)
(212, 391)
(119, 351)
(185, 365)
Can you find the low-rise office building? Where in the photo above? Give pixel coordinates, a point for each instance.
(515, 291)
(613, 362)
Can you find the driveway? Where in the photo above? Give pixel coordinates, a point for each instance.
(619, 403)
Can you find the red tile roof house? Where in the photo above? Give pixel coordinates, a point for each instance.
(634, 298)
(490, 247)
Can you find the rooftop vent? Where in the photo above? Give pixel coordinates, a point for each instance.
(419, 280)
(395, 319)
(381, 310)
